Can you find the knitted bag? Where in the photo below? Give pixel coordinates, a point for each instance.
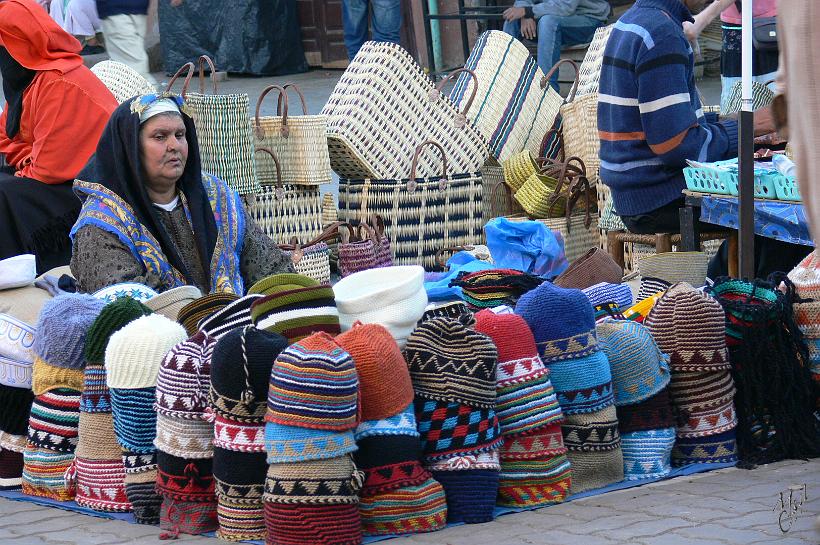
(202, 308)
(62, 328)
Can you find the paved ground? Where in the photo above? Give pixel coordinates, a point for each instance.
(725, 507)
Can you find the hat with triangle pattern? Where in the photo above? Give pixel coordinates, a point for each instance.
(293, 444)
(594, 449)
(328, 481)
(534, 482)
(647, 454)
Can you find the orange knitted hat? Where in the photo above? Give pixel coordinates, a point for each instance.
(385, 389)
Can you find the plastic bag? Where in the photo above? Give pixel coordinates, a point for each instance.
(440, 290)
(528, 246)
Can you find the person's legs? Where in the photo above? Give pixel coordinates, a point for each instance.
(561, 32)
(354, 20)
(125, 41)
(513, 28)
(386, 16)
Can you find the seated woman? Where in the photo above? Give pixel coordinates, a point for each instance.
(150, 214)
(55, 111)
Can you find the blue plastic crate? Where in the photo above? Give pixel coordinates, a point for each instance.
(787, 188)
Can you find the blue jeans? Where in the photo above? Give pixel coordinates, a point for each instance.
(386, 15)
(555, 32)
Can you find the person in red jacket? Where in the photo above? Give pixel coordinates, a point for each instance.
(55, 111)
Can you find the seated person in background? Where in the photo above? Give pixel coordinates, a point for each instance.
(55, 110)
(556, 24)
(650, 121)
(150, 215)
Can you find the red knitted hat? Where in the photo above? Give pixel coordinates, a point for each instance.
(300, 524)
(518, 358)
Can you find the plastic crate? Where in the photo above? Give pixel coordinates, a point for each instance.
(705, 180)
(787, 188)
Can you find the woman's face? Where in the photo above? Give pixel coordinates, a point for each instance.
(163, 150)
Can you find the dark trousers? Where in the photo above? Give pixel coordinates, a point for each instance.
(770, 255)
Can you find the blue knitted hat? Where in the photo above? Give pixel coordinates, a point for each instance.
(712, 449)
(583, 385)
(620, 294)
(403, 423)
(470, 494)
(135, 420)
(62, 328)
(562, 321)
(647, 454)
(295, 444)
(639, 368)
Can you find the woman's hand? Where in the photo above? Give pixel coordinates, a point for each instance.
(528, 28)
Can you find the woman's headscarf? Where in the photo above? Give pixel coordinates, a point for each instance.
(117, 166)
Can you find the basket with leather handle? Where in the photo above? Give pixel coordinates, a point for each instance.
(313, 258)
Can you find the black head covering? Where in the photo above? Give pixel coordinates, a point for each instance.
(16, 78)
(116, 165)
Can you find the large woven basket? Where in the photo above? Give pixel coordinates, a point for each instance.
(511, 110)
(590, 72)
(123, 81)
(383, 106)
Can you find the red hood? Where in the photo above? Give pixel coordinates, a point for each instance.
(34, 39)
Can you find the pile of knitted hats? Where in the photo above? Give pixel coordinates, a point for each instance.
(689, 325)
(453, 371)
(563, 324)
(133, 358)
(806, 280)
(494, 287)
(535, 470)
(99, 466)
(398, 495)
(640, 377)
(312, 484)
(57, 382)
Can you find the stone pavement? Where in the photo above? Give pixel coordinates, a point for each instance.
(725, 507)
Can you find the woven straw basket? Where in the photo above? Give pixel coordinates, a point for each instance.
(123, 81)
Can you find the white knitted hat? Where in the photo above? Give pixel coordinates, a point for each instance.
(169, 303)
(393, 297)
(135, 352)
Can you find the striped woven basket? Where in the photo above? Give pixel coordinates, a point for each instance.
(590, 72)
(511, 109)
(123, 81)
(383, 106)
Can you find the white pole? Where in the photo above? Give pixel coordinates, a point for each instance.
(746, 55)
(746, 211)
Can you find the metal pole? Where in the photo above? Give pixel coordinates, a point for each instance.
(746, 153)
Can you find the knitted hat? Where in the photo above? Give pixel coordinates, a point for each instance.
(639, 311)
(534, 482)
(703, 421)
(100, 485)
(385, 389)
(451, 309)
(113, 317)
(494, 287)
(562, 322)
(647, 454)
(135, 352)
(44, 473)
(450, 362)
(604, 311)
(691, 390)
(240, 478)
(690, 326)
(384, 478)
(583, 384)
(639, 369)
(327, 481)
(652, 414)
(139, 462)
(202, 308)
(299, 524)
(125, 290)
(235, 315)
(183, 380)
(454, 429)
(712, 449)
(97, 439)
(54, 421)
(16, 341)
(46, 377)
(403, 423)
(240, 373)
(181, 517)
(806, 277)
(652, 286)
(594, 449)
(542, 443)
(295, 306)
(179, 479)
(406, 510)
(16, 403)
(391, 296)
(470, 494)
(386, 450)
(292, 444)
(239, 436)
(96, 397)
(190, 439)
(169, 303)
(135, 421)
(482, 460)
(62, 328)
(16, 374)
(620, 294)
(11, 469)
(14, 443)
(527, 406)
(140, 489)
(673, 267)
(313, 384)
(592, 268)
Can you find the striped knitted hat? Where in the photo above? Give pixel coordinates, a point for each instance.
(240, 483)
(450, 362)
(146, 503)
(97, 438)
(691, 390)
(11, 469)
(647, 454)
(806, 277)
(534, 482)
(100, 485)
(594, 449)
(454, 429)
(471, 494)
(55, 419)
(202, 308)
(169, 303)
(62, 328)
(113, 317)
(408, 509)
(240, 373)
(592, 268)
(96, 397)
(639, 311)
(187, 438)
(239, 436)
(712, 449)
(652, 286)
(385, 389)
(129, 290)
(690, 326)
(44, 473)
(285, 444)
(313, 384)
(620, 294)
(184, 378)
(14, 443)
(583, 385)
(652, 414)
(235, 315)
(328, 481)
(183, 480)
(16, 403)
(46, 377)
(494, 287)
(450, 309)
(135, 421)
(403, 423)
(298, 524)
(294, 306)
(542, 443)
(571, 334)
(639, 369)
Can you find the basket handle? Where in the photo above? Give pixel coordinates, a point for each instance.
(202, 60)
(545, 80)
(260, 132)
(347, 233)
(561, 148)
(461, 118)
(499, 184)
(280, 187)
(190, 67)
(330, 232)
(284, 97)
(415, 163)
(442, 262)
(377, 223)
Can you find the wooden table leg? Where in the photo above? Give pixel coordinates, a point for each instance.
(733, 255)
(689, 236)
(615, 248)
(663, 243)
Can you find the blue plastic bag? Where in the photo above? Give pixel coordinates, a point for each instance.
(440, 290)
(528, 246)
